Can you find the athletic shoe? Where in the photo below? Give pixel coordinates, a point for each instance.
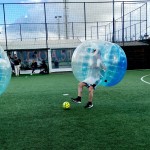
(76, 100)
(88, 105)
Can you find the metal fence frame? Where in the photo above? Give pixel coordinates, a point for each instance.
(114, 35)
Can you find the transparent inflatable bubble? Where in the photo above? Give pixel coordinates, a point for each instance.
(99, 62)
(5, 71)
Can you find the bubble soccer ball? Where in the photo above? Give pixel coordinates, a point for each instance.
(100, 62)
(5, 71)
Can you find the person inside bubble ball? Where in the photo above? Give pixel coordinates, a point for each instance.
(93, 78)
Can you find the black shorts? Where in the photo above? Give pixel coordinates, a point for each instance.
(88, 85)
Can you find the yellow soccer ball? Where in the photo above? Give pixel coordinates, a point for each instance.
(66, 105)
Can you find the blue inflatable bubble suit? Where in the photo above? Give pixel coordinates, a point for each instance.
(5, 71)
(99, 62)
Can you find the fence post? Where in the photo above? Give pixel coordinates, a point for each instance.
(20, 32)
(141, 38)
(146, 19)
(113, 34)
(5, 26)
(97, 31)
(85, 19)
(123, 23)
(130, 28)
(46, 31)
(135, 31)
(66, 19)
(72, 31)
(105, 33)
(118, 35)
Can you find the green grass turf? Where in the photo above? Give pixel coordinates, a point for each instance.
(32, 118)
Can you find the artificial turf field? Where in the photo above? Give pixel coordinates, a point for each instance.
(32, 117)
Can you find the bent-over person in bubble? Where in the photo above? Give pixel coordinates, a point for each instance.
(92, 80)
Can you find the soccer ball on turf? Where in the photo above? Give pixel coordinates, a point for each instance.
(66, 105)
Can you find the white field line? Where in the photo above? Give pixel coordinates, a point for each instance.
(142, 79)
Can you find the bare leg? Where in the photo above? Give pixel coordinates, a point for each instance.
(89, 103)
(80, 88)
(91, 90)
